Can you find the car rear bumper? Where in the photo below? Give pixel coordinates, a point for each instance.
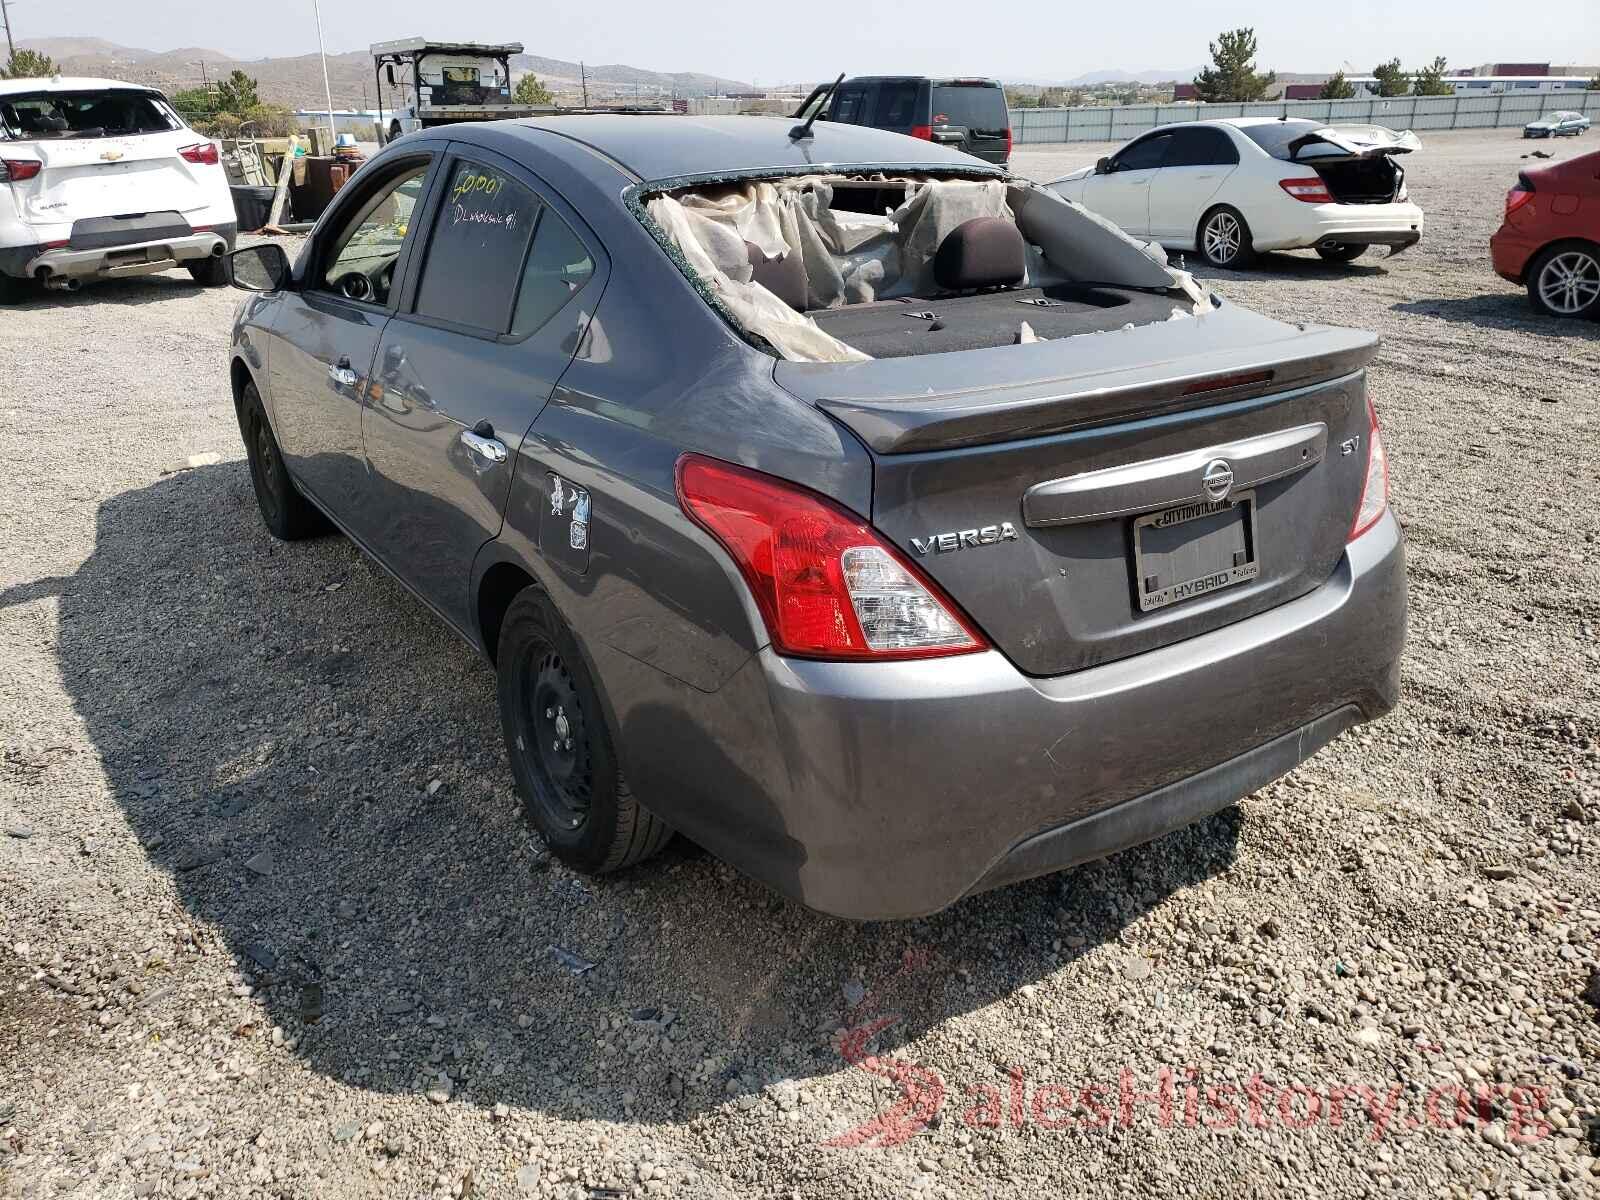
(890, 790)
(1509, 252)
(129, 259)
(1398, 225)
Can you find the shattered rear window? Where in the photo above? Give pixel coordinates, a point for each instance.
(35, 115)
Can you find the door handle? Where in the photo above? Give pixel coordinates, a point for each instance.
(341, 373)
(490, 447)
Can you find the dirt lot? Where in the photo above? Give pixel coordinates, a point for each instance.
(273, 926)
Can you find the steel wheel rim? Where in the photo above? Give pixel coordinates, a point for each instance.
(555, 721)
(1222, 237)
(1570, 282)
(266, 466)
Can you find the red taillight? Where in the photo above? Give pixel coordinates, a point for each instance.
(925, 132)
(1375, 489)
(1312, 190)
(826, 584)
(1517, 197)
(15, 170)
(204, 154)
(1008, 141)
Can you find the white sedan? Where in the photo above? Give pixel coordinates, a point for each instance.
(1230, 188)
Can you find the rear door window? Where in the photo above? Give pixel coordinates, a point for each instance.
(897, 104)
(480, 239)
(1200, 148)
(977, 107)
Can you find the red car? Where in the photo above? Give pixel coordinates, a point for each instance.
(1550, 239)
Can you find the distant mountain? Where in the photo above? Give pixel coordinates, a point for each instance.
(297, 81)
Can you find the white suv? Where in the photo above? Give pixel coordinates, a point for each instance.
(100, 179)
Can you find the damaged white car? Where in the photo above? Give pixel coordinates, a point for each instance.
(104, 180)
(1228, 189)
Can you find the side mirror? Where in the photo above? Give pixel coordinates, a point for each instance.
(388, 73)
(263, 268)
(1102, 166)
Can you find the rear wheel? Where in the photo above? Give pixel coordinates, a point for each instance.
(560, 748)
(1343, 252)
(285, 512)
(1564, 280)
(208, 272)
(1224, 239)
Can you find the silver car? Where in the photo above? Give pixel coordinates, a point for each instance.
(1557, 124)
(888, 525)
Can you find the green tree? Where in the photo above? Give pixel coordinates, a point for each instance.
(1392, 81)
(194, 104)
(531, 91)
(237, 93)
(29, 64)
(1232, 77)
(1337, 88)
(1430, 80)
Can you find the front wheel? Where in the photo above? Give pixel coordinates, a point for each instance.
(1565, 280)
(209, 272)
(286, 513)
(560, 748)
(1224, 239)
(1342, 253)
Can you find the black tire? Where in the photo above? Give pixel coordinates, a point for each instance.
(1230, 253)
(1564, 280)
(560, 747)
(1342, 253)
(395, 132)
(287, 514)
(209, 272)
(14, 290)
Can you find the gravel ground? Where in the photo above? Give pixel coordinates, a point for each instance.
(273, 926)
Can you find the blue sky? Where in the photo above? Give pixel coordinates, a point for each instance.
(769, 43)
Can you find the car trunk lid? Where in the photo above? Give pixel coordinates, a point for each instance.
(1058, 491)
(1356, 162)
(109, 176)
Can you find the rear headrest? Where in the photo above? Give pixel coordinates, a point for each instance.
(784, 277)
(981, 253)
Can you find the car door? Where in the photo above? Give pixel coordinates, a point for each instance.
(500, 297)
(326, 333)
(1197, 163)
(1121, 193)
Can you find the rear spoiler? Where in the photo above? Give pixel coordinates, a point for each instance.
(1358, 141)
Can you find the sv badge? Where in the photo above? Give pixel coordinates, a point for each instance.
(965, 539)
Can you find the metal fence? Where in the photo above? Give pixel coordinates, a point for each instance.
(1117, 123)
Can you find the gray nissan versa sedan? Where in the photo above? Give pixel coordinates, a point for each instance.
(886, 524)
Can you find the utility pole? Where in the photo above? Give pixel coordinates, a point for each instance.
(583, 78)
(327, 88)
(5, 15)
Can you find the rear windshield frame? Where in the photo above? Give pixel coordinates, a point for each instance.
(158, 104)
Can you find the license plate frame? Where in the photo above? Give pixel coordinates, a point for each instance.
(1208, 581)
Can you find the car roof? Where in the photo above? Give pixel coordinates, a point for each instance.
(937, 80)
(67, 83)
(666, 146)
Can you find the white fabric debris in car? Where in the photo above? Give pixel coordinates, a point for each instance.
(856, 258)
